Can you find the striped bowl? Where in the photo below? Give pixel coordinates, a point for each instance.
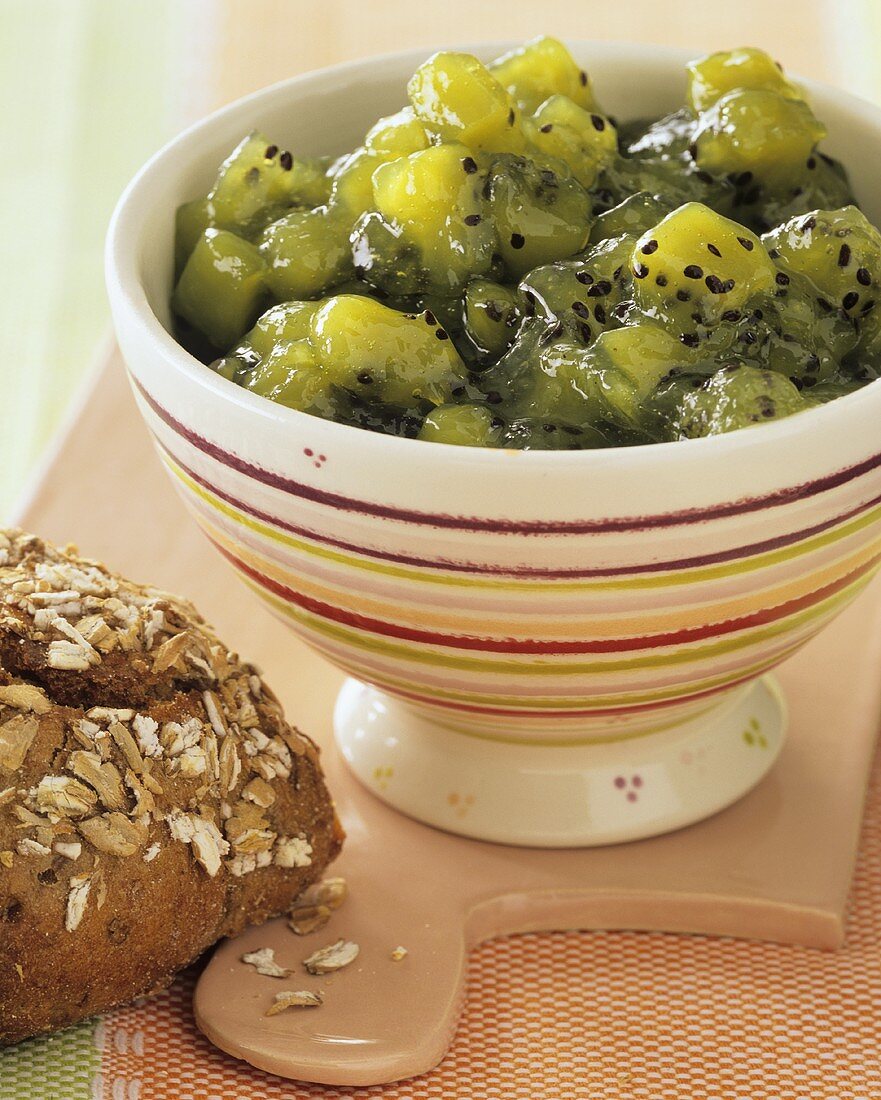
(550, 638)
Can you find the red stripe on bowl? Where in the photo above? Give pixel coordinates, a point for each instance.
(718, 558)
(542, 646)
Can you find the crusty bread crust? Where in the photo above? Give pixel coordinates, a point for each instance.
(152, 796)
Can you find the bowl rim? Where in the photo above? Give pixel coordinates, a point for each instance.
(128, 295)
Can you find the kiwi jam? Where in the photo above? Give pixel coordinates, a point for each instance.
(502, 264)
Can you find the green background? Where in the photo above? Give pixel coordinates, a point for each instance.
(87, 92)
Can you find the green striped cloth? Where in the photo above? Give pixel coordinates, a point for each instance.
(60, 1067)
(88, 90)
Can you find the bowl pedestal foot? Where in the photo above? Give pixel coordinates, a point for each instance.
(573, 794)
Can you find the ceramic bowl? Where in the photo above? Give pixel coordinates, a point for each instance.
(547, 648)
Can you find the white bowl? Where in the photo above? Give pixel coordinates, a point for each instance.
(553, 638)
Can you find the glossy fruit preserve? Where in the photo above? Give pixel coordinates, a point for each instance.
(502, 264)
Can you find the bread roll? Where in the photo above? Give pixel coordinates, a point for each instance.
(152, 796)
